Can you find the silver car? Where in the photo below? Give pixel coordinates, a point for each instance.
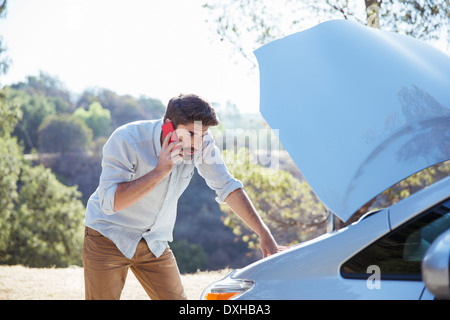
(358, 109)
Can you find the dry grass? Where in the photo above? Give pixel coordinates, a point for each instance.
(21, 283)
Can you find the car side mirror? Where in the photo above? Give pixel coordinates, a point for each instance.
(436, 267)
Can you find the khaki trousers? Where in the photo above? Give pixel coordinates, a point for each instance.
(105, 270)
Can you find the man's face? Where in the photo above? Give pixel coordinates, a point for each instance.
(191, 134)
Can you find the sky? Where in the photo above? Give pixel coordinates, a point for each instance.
(154, 48)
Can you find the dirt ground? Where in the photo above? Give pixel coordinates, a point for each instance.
(21, 283)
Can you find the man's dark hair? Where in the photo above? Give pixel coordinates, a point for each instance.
(187, 108)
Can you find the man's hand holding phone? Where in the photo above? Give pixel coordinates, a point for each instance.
(169, 155)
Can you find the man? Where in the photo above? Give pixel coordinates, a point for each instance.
(131, 215)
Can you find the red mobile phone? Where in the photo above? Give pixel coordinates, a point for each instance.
(168, 127)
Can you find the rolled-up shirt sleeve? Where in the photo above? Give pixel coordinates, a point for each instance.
(118, 165)
(213, 169)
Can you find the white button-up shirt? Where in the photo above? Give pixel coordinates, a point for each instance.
(131, 152)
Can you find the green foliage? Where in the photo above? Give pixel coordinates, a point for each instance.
(63, 133)
(49, 87)
(10, 162)
(47, 227)
(10, 114)
(123, 108)
(40, 218)
(43, 97)
(412, 184)
(286, 204)
(35, 109)
(39, 97)
(96, 118)
(153, 107)
(190, 256)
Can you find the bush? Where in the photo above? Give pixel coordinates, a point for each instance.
(190, 257)
(41, 220)
(10, 159)
(287, 205)
(96, 118)
(64, 134)
(47, 227)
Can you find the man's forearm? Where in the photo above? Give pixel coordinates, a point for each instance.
(240, 204)
(128, 193)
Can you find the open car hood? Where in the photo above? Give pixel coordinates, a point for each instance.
(358, 109)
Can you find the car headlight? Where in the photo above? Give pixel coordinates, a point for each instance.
(226, 288)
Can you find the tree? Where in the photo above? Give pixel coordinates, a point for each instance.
(40, 218)
(153, 107)
(96, 118)
(64, 134)
(35, 109)
(38, 97)
(247, 24)
(47, 227)
(10, 164)
(10, 159)
(49, 87)
(287, 205)
(123, 108)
